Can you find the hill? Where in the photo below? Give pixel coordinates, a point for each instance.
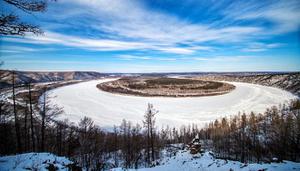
(286, 81)
(22, 77)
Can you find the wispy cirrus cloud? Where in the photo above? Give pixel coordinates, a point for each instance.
(132, 57)
(76, 41)
(259, 47)
(166, 32)
(22, 49)
(187, 59)
(136, 57)
(283, 15)
(100, 44)
(132, 20)
(222, 58)
(132, 26)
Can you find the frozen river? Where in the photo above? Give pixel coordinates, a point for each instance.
(107, 109)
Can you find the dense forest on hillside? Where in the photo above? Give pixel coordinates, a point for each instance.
(250, 137)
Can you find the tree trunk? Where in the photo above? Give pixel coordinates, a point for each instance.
(25, 128)
(43, 123)
(152, 142)
(1, 112)
(31, 118)
(148, 146)
(17, 126)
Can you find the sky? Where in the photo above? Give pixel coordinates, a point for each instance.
(158, 36)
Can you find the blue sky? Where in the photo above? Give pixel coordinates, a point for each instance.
(158, 36)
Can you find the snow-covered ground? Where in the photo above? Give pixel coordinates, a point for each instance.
(107, 109)
(184, 161)
(33, 161)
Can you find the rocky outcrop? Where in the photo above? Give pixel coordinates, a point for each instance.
(195, 145)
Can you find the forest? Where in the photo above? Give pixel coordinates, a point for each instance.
(246, 137)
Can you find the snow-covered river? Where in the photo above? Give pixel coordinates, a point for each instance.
(107, 109)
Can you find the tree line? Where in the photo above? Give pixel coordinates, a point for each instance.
(273, 135)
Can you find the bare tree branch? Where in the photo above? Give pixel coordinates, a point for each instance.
(10, 25)
(28, 5)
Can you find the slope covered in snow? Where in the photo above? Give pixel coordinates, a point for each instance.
(22, 77)
(184, 161)
(33, 161)
(108, 109)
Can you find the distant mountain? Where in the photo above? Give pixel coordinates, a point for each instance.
(289, 81)
(22, 77)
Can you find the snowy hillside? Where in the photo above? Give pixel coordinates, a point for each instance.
(39, 77)
(33, 161)
(184, 161)
(288, 81)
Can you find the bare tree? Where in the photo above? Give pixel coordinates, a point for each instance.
(149, 124)
(10, 24)
(31, 117)
(27, 139)
(43, 114)
(86, 128)
(17, 125)
(48, 113)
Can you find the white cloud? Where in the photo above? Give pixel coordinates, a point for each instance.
(78, 42)
(135, 57)
(129, 25)
(285, 15)
(99, 44)
(166, 59)
(208, 59)
(259, 47)
(221, 58)
(22, 49)
(131, 57)
(175, 50)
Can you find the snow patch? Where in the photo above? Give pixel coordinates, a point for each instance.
(33, 161)
(184, 161)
